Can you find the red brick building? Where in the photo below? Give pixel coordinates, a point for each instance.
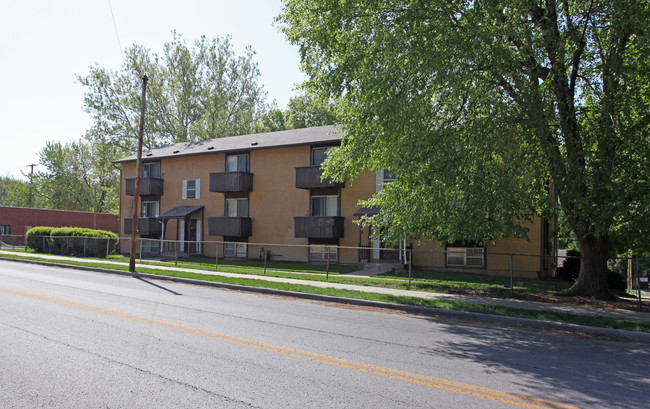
(15, 221)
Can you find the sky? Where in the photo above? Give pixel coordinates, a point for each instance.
(45, 44)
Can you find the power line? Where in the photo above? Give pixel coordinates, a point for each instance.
(119, 43)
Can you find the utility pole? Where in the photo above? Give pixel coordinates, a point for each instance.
(136, 192)
(31, 181)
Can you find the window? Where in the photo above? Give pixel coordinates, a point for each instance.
(151, 170)
(192, 189)
(237, 163)
(325, 206)
(150, 246)
(150, 209)
(389, 175)
(465, 256)
(318, 155)
(319, 252)
(237, 207)
(385, 176)
(5, 229)
(235, 250)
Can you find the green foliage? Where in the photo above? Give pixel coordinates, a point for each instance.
(78, 176)
(303, 111)
(38, 238)
(480, 105)
(20, 193)
(72, 241)
(616, 280)
(194, 92)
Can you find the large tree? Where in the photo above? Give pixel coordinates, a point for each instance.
(78, 176)
(303, 110)
(482, 107)
(200, 92)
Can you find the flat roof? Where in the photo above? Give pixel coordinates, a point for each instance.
(264, 140)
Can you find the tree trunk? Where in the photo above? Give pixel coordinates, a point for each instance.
(592, 280)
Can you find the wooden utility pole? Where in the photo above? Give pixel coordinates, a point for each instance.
(136, 192)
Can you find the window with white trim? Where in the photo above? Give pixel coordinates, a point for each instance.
(319, 252)
(325, 206)
(235, 250)
(191, 189)
(237, 207)
(237, 163)
(465, 257)
(150, 209)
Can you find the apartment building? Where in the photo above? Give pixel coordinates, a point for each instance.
(234, 196)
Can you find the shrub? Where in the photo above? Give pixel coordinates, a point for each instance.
(38, 238)
(616, 280)
(571, 267)
(77, 241)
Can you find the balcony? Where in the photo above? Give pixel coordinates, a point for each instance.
(319, 227)
(231, 182)
(147, 226)
(230, 226)
(309, 177)
(148, 187)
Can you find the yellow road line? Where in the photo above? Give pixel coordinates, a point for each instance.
(443, 384)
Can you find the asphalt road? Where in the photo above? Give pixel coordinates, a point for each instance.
(75, 339)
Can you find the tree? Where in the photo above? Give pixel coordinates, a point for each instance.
(201, 92)
(306, 110)
(483, 106)
(303, 111)
(79, 176)
(18, 193)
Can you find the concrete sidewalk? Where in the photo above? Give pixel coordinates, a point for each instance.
(530, 305)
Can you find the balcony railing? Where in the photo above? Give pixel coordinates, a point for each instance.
(231, 182)
(319, 227)
(230, 226)
(309, 177)
(148, 187)
(147, 226)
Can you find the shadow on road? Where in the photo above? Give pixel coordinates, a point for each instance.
(158, 286)
(595, 372)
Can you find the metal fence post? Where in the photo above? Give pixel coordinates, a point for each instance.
(108, 244)
(327, 273)
(141, 241)
(511, 275)
(176, 253)
(638, 281)
(216, 257)
(266, 251)
(85, 246)
(410, 258)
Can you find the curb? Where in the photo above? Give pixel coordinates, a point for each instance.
(618, 334)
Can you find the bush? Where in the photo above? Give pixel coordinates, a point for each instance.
(616, 280)
(74, 241)
(38, 238)
(571, 267)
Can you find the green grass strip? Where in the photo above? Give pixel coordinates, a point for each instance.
(552, 316)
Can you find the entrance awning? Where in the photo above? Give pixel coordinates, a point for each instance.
(179, 212)
(367, 211)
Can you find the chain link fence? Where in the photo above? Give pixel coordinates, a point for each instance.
(634, 269)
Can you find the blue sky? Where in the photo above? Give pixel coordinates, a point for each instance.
(45, 44)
